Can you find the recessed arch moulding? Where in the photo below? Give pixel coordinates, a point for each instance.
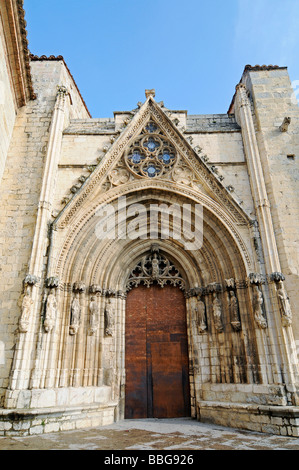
(226, 343)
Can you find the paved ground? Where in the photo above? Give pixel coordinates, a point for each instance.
(152, 434)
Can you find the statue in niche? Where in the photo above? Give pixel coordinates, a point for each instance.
(51, 311)
(284, 305)
(234, 311)
(258, 309)
(201, 316)
(27, 304)
(217, 313)
(75, 315)
(94, 316)
(109, 319)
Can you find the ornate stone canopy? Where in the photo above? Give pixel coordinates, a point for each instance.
(155, 268)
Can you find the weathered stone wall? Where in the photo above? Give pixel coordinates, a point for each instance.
(20, 193)
(273, 100)
(56, 146)
(7, 103)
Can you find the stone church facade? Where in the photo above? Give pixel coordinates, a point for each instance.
(149, 261)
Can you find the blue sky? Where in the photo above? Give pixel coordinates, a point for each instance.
(193, 52)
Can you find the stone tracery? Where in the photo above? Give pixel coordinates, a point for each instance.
(155, 267)
(151, 155)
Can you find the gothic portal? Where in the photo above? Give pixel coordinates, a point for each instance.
(149, 261)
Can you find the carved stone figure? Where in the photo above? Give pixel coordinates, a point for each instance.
(51, 311)
(109, 319)
(234, 311)
(94, 316)
(285, 124)
(217, 313)
(284, 305)
(119, 176)
(155, 267)
(75, 315)
(201, 316)
(183, 175)
(257, 307)
(26, 312)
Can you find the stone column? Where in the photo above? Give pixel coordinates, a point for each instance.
(281, 337)
(20, 375)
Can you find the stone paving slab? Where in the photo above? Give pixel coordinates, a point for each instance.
(182, 434)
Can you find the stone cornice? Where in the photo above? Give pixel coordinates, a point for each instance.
(15, 34)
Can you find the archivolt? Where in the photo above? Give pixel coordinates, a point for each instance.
(81, 244)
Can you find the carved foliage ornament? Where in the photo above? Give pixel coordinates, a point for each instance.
(155, 268)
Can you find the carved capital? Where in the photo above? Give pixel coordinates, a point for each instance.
(277, 277)
(230, 283)
(195, 292)
(31, 280)
(52, 282)
(62, 90)
(214, 287)
(95, 289)
(256, 279)
(79, 287)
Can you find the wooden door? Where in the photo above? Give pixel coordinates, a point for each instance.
(157, 378)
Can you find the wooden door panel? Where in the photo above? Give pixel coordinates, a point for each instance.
(168, 392)
(156, 354)
(136, 368)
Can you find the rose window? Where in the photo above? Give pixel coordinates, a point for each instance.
(151, 155)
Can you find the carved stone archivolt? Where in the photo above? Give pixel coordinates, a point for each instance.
(155, 268)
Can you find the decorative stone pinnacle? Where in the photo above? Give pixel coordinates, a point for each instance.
(62, 90)
(151, 92)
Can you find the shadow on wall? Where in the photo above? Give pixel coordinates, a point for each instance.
(2, 353)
